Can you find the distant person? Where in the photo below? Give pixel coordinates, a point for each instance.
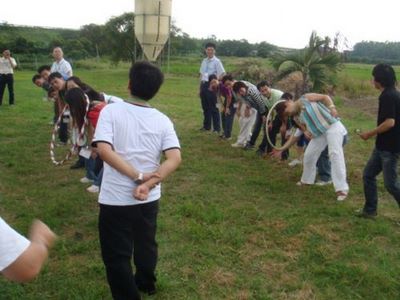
(270, 97)
(228, 107)
(386, 153)
(44, 71)
(60, 64)
(210, 65)
(7, 66)
(40, 82)
(131, 138)
(21, 259)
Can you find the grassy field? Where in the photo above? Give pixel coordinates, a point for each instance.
(231, 225)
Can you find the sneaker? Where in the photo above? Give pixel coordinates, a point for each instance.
(361, 213)
(341, 195)
(295, 162)
(300, 183)
(322, 183)
(85, 180)
(237, 145)
(248, 147)
(93, 189)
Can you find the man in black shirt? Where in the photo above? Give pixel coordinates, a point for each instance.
(387, 146)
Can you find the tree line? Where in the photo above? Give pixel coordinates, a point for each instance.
(115, 40)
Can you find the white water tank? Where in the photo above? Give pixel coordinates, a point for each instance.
(152, 25)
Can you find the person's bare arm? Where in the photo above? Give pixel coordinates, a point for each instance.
(107, 154)
(383, 127)
(325, 99)
(169, 165)
(29, 263)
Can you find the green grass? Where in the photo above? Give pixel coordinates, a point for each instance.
(231, 226)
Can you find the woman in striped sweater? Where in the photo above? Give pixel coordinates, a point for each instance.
(318, 114)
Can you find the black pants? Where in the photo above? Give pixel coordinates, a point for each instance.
(123, 231)
(7, 79)
(256, 129)
(209, 106)
(273, 132)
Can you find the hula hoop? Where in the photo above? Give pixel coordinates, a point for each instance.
(75, 145)
(269, 117)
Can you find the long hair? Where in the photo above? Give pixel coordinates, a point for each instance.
(77, 102)
(87, 89)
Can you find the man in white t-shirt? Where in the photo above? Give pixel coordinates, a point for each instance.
(130, 138)
(60, 65)
(21, 259)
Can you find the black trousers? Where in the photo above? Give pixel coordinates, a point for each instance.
(209, 106)
(125, 231)
(7, 79)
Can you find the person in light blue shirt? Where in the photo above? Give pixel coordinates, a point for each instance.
(210, 65)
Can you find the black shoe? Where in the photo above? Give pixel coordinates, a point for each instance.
(248, 147)
(149, 289)
(203, 129)
(363, 214)
(260, 153)
(77, 165)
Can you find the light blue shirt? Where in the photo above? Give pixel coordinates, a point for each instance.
(211, 66)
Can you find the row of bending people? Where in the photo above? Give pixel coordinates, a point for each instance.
(252, 103)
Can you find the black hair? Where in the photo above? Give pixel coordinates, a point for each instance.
(210, 44)
(212, 77)
(280, 110)
(87, 89)
(145, 80)
(238, 85)
(76, 100)
(261, 84)
(227, 77)
(55, 75)
(287, 96)
(42, 68)
(384, 74)
(36, 77)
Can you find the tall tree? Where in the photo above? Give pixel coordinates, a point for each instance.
(317, 67)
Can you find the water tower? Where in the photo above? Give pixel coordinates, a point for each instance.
(152, 25)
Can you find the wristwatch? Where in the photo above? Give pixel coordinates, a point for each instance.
(139, 180)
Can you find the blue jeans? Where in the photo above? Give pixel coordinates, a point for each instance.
(227, 122)
(380, 161)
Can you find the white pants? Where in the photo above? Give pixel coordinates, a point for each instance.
(246, 125)
(333, 137)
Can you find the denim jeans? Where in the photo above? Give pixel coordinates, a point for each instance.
(380, 161)
(227, 122)
(256, 129)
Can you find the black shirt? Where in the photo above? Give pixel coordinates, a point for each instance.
(389, 108)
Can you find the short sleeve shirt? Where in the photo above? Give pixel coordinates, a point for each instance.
(12, 245)
(389, 108)
(139, 135)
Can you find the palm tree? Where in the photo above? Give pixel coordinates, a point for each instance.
(316, 65)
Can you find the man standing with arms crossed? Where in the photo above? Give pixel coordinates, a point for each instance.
(210, 65)
(7, 66)
(387, 145)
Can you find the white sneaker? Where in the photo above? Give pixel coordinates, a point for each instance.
(85, 180)
(93, 189)
(295, 162)
(322, 183)
(237, 145)
(341, 195)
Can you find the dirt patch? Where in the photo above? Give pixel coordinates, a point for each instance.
(367, 104)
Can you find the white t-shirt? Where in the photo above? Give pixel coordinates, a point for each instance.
(139, 135)
(12, 245)
(63, 67)
(109, 99)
